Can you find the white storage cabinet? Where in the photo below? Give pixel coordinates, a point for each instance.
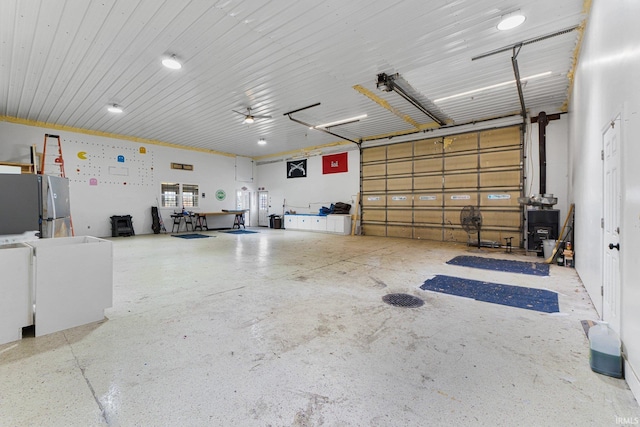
(335, 224)
(16, 309)
(73, 281)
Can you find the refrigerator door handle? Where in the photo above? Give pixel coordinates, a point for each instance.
(53, 204)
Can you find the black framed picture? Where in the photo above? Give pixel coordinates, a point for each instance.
(297, 168)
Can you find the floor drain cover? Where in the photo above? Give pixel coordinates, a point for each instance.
(403, 300)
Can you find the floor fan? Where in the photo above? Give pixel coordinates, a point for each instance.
(471, 221)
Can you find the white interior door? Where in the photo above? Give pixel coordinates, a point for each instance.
(263, 208)
(611, 249)
(243, 202)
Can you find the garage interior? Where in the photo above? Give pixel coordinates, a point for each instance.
(451, 138)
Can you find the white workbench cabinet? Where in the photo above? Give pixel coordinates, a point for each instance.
(15, 291)
(73, 281)
(319, 223)
(291, 222)
(339, 224)
(335, 224)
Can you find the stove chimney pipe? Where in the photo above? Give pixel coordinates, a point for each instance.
(543, 121)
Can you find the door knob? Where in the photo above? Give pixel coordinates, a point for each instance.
(617, 246)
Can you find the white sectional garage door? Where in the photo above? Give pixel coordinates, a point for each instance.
(417, 189)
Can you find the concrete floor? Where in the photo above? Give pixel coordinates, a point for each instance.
(288, 328)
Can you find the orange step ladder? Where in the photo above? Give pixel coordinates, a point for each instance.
(53, 158)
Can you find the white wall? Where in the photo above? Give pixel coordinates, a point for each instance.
(606, 83)
(557, 152)
(308, 195)
(131, 194)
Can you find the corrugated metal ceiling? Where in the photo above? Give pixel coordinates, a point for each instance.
(63, 61)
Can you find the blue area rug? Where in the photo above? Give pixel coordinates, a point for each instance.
(240, 232)
(191, 236)
(513, 296)
(532, 268)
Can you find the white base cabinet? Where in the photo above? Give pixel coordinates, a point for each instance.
(335, 224)
(15, 291)
(55, 284)
(73, 281)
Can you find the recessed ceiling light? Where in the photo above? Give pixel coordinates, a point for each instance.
(511, 20)
(172, 63)
(114, 108)
(262, 141)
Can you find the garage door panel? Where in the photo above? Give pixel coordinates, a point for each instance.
(427, 199)
(395, 184)
(499, 198)
(453, 163)
(405, 216)
(427, 165)
(433, 182)
(400, 168)
(461, 199)
(379, 169)
(428, 147)
(463, 142)
(400, 231)
(374, 229)
(399, 200)
(500, 159)
(500, 179)
(370, 185)
(428, 216)
(399, 151)
(374, 200)
(462, 180)
(374, 215)
(427, 233)
(455, 235)
(500, 137)
(452, 217)
(374, 154)
(502, 218)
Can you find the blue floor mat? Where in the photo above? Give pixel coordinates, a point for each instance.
(511, 266)
(513, 296)
(191, 236)
(240, 232)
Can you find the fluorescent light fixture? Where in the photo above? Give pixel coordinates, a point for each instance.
(172, 63)
(248, 120)
(511, 20)
(510, 82)
(340, 122)
(262, 141)
(114, 108)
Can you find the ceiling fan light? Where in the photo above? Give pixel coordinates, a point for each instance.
(172, 63)
(248, 120)
(510, 21)
(262, 141)
(114, 108)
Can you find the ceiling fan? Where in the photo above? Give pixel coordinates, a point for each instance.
(250, 118)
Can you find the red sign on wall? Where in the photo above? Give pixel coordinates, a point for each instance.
(335, 163)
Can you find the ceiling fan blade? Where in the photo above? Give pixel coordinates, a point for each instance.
(261, 117)
(243, 114)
